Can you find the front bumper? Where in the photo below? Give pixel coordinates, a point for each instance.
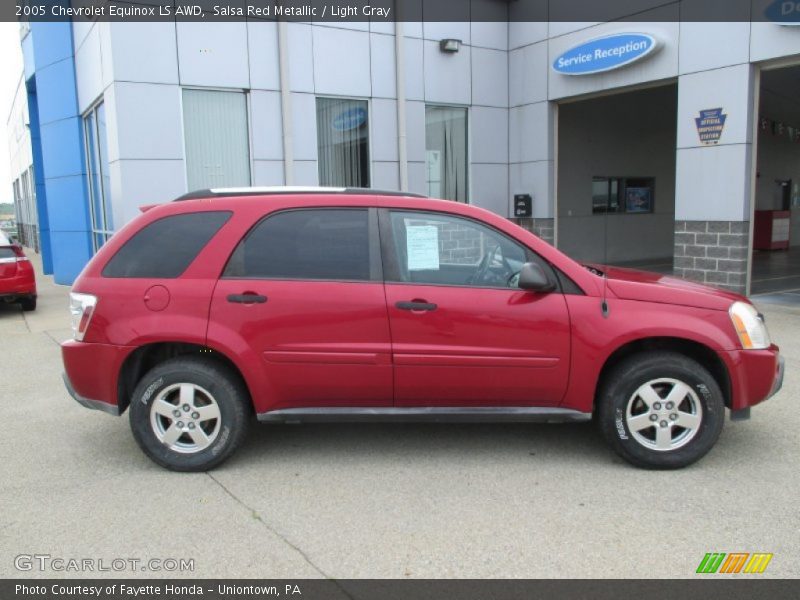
(755, 376)
(776, 387)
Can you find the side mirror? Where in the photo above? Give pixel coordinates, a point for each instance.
(533, 278)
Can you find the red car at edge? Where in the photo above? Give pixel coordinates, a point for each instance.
(17, 278)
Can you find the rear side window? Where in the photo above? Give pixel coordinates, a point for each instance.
(328, 244)
(6, 253)
(165, 248)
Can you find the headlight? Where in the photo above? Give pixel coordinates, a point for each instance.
(81, 307)
(749, 326)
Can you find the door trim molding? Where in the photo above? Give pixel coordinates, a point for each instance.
(472, 360)
(445, 414)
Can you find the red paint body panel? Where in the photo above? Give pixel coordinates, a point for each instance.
(93, 369)
(654, 287)
(595, 338)
(316, 343)
(479, 347)
(312, 343)
(753, 374)
(17, 278)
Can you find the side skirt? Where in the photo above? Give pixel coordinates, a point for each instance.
(511, 414)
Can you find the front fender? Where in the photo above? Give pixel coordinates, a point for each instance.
(595, 338)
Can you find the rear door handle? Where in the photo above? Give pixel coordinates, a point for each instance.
(247, 298)
(416, 305)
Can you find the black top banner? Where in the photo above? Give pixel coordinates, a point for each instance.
(783, 12)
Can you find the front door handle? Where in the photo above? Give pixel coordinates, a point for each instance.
(247, 298)
(416, 305)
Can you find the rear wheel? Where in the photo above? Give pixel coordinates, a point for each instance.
(661, 410)
(189, 414)
(28, 303)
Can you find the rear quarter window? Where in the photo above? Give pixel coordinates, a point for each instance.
(165, 248)
(7, 253)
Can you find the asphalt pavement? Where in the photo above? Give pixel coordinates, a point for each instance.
(375, 501)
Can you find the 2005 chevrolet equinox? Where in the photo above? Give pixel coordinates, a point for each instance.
(346, 304)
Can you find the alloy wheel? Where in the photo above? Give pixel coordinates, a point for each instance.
(185, 417)
(664, 414)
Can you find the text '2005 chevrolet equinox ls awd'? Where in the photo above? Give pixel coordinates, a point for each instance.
(345, 304)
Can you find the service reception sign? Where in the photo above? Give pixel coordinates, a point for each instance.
(605, 54)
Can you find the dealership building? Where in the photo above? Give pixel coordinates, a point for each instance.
(673, 146)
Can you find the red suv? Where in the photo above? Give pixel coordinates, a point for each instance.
(320, 304)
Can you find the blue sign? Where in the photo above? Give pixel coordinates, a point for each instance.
(605, 54)
(350, 119)
(784, 12)
(710, 124)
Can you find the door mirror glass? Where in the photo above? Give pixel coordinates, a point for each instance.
(533, 278)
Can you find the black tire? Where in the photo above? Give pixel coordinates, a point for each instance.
(636, 371)
(28, 303)
(225, 389)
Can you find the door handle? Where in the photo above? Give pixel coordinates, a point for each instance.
(416, 305)
(247, 298)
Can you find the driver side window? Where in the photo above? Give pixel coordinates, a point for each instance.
(439, 249)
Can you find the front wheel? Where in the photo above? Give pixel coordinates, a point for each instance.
(189, 414)
(661, 410)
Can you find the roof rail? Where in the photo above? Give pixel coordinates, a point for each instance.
(289, 189)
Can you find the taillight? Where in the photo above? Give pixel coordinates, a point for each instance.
(81, 307)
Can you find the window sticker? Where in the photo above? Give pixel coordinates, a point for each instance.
(422, 245)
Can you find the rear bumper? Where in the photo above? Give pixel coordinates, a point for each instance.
(756, 375)
(19, 286)
(17, 297)
(91, 372)
(111, 409)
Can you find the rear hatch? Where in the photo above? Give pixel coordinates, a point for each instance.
(8, 262)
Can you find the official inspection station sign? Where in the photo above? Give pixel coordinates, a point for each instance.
(710, 124)
(605, 54)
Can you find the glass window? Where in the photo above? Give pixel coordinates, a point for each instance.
(165, 248)
(446, 152)
(343, 142)
(639, 194)
(621, 194)
(605, 195)
(94, 123)
(217, 140)
(306, 244)
(443, 250)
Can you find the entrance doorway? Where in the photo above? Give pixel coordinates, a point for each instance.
(616, 178)
(776, 219)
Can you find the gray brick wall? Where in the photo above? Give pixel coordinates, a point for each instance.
(542, 228)
(712, 252)
(458, 244)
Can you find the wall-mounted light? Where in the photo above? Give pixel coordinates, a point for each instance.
(449, 45)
